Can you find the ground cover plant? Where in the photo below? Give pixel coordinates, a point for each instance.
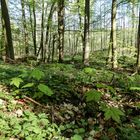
(63, 101)
(70, 70)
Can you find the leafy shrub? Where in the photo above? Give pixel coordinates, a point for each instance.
(110, 112)
(39, 88)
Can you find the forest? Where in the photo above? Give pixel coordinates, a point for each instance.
(70, 70)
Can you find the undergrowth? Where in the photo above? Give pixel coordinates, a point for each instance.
(68, 101)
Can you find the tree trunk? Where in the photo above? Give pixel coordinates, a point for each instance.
(25, 28)
(49, 23)
(124, 34)
(53, 46)
(31, 22)
(49, 48)
(34, 15)
(133, 24)
(2, 41)
(80, 22)
(113, 60)
(86, 48)
(7, 31)
(61, 26)
(138, 46)
(42, 33)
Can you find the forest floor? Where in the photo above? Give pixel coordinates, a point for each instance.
(68, 102)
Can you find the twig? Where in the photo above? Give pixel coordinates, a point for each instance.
(134, 73)
(35, 102)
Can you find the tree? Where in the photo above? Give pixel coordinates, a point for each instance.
(7, 32)
(112, 48)
(34, 38)
(24, 27)
(138, 46)
(42, 32)
(31, 22)
(49, 23)
(80, 4)
(86, 49)
(61, 28)
(1, 39)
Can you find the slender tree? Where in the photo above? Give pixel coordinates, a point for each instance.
(42, 32)
(138, 46)
(53, 46)
(49, 23)
(61, 26)
(2, 40)
(112, 48)
(31, 21)
(133, 23)
(24, 27)
(7, 31)
(34, 39)
(80, 20)
(86, 48)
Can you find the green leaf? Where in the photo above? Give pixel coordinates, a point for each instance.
(81, 130)
(116, 117)
(45, 89)
(28, 85)
(16, 81)
(62, 127)
(118, 111)
(99, 85)
(113, 113)
(135, 88)
(111, 89)
(89, 71)
(108, 114)
(37, 74)
(76, 137)
(93, 95)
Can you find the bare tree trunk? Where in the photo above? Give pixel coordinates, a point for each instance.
(138, 46)
(124, 33)
(61, 26)
(42, 33)
(86, 48)
(34, 15)
(105, 29)
(49, 48)
(25, 27)
(80, 22)
(53, 46)
(31, 22)
(2, 41)
(101, 27)
(113, 50)
(7, 31)
(109, 50)
(49, 23)
(133, 25)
